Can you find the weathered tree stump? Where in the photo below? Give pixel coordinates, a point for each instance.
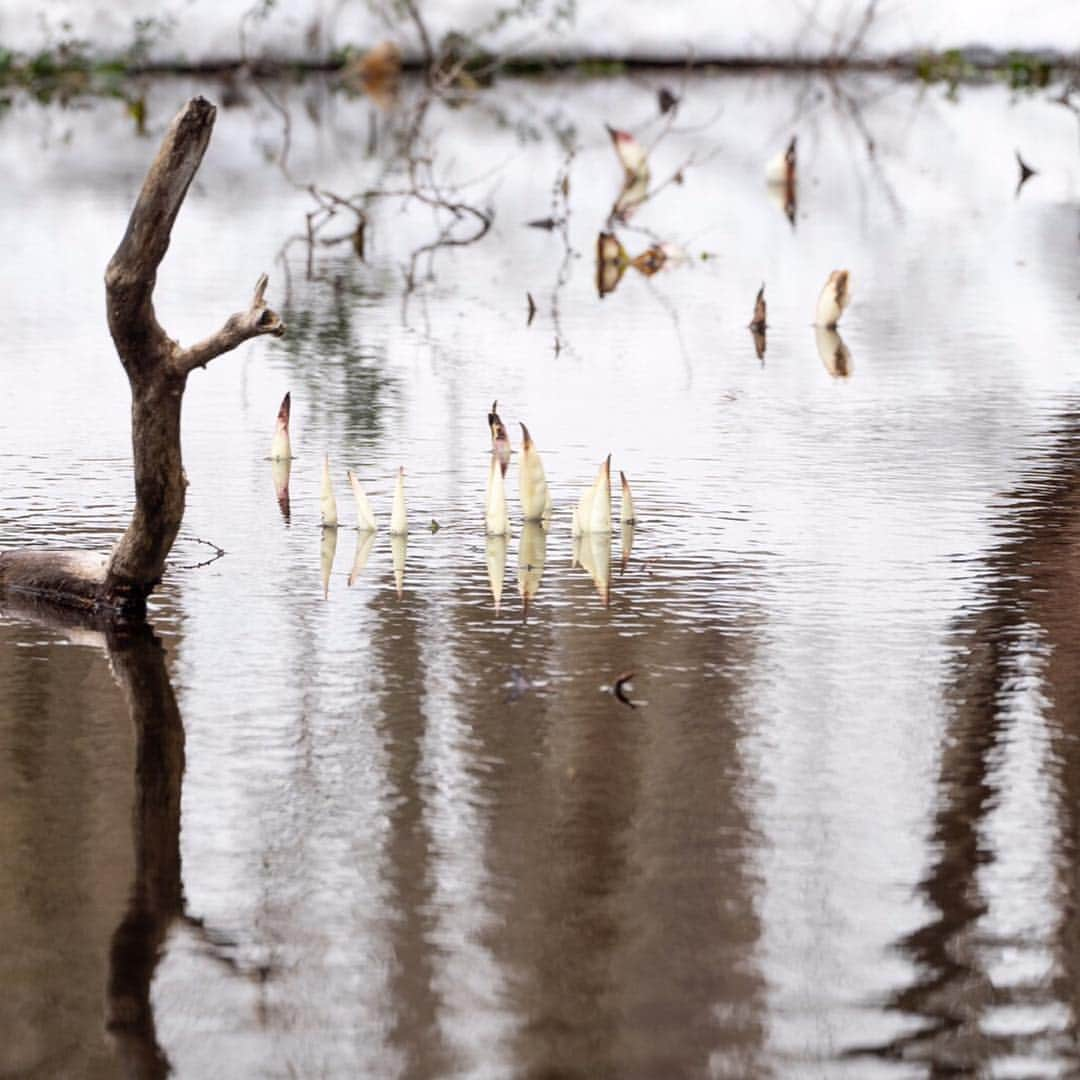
(157, 368)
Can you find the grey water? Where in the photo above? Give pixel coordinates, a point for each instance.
(344, 810)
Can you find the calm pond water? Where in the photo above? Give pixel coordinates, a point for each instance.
(329, 831)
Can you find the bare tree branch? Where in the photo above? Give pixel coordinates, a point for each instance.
(157, 370)
(132, 271)
(241, 327)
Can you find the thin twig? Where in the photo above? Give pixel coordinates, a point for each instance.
(219, 553)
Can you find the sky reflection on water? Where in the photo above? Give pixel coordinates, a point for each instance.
(838, 835)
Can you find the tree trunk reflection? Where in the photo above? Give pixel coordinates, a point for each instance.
(1027, 624)
(138, 662)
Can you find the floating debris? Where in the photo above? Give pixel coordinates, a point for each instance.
(834, 298)
(632, 195)
(666, 100)
(632, 155)
(532, 309)
(651, 260)
(612, 260)
(327, 502)
(434, 526)
(635, 162)
(548, 224)
(611, 263)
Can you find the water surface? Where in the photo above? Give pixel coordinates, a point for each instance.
(323, 829)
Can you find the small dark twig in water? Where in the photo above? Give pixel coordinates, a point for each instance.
(532, 309)
(758, 324)
(666, 100)
(620, 685)
(1026, 172)
(219, 552)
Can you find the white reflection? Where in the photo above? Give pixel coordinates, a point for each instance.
(398, 542)
(532, 551)
(495, 551)
(280, 470)
(327, 500)
(327, 548)
(365, 541)
(593, 551)
(626, 543)
(467, 978)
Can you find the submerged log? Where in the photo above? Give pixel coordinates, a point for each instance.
(157, 368)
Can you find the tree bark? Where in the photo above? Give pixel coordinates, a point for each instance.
(157, 368)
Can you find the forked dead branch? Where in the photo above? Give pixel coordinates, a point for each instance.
(157, 368)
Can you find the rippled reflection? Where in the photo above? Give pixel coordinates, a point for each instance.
(495, 554)
(593, 552)
(834, 354)
(626, 543)
(398, 545)
(281, 468)
(155, 895)
(365, 541)
(532, 554)
(327, 549)
(837, 837)
(998, 961)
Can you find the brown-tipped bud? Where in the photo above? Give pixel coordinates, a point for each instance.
(835, 296)
(757, 323)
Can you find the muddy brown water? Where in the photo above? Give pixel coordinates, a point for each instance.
(364, 834)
